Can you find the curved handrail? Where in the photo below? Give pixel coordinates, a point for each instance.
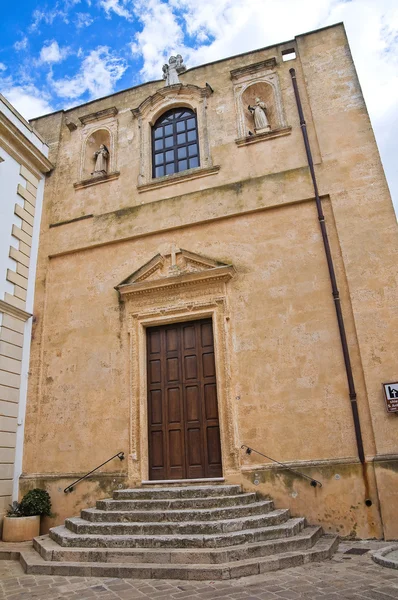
(249, 450)
(71, 487)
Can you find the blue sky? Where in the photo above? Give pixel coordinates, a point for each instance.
(58, 54)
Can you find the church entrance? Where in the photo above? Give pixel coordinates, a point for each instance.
(183, 424)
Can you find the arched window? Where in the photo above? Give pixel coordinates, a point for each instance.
(175, 145)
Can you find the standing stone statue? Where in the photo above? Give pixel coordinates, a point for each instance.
(101, 160)
(173, 69)
(259, 112)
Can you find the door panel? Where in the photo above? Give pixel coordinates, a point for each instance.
(184, 434)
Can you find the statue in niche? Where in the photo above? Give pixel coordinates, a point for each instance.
(259, 112)
(173, 69)
(101, 161)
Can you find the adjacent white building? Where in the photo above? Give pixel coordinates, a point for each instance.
(23, 164)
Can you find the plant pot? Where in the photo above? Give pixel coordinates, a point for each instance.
(20, 529)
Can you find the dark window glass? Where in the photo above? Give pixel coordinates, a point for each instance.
(172, 137)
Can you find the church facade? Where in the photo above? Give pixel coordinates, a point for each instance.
(185, 306)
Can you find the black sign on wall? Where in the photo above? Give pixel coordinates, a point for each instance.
(391, 396)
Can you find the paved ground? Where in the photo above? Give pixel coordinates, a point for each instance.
(347, 576)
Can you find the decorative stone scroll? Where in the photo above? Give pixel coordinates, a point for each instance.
(152, 107)
(179, 286)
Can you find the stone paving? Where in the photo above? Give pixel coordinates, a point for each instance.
(347, 576)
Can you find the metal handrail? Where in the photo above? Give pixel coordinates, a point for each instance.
(314, 482)
(71, 487)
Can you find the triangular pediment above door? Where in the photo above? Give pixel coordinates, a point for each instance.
(176, 267)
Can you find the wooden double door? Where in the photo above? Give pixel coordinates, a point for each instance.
(184, 432)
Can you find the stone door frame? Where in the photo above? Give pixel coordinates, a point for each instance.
(202, 297)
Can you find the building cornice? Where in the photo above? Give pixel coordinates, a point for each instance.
(21, 148)
(9, 309)
(183, 280)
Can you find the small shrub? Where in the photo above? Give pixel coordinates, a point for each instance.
(36, 502)
(14, 510)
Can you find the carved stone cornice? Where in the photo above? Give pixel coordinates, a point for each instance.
(177, 281)
(94, 180)
(171, 91)
(99, 115)
(260, 137)
(254, 68)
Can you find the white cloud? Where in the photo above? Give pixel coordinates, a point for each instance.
(28, 100)
(116, 6)
(99, 72)
(3, 67)
(83, 20)
(161, 36)
(22, 44)
(52, 53)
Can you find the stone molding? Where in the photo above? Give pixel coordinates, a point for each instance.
(146, 114)
(179, 177)
(165, 300)
(13, 311)
(254, 68)
(262, 72)
(261, 137)
(95, 180)
(21, 149)
(99, 115)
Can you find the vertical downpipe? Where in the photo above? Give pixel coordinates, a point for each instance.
(335, 291)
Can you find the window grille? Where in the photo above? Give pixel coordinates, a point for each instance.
(175, 145)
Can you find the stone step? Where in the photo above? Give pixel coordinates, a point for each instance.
(65, 537)
(33, 563)
(193, 491)
(177, 503)
(275, 517)
(198, 514)
(51, 551)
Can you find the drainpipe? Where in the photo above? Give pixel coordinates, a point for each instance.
(332, 275)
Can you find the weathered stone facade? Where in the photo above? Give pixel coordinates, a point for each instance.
(281, 382)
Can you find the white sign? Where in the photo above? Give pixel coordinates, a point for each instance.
(391, 395)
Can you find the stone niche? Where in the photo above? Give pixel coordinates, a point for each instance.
(93, 142)
(265, 92)
(258, 80)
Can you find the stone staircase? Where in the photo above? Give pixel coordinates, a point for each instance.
(190, 532)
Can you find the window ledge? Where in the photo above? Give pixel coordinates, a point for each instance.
(95, 180)
(260, 137)
(178, 178)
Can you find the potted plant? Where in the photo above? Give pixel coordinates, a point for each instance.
(22, 522)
